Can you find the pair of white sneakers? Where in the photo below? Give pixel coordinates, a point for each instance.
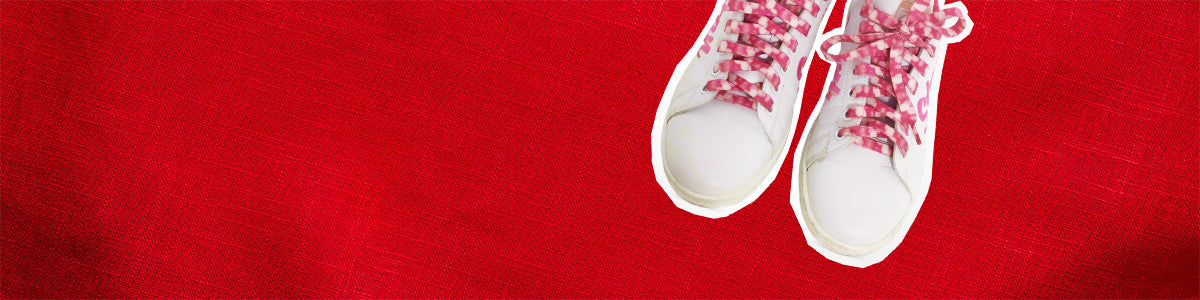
(864, 162)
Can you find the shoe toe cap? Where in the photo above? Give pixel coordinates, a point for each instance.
(718, 150)
(856, 197)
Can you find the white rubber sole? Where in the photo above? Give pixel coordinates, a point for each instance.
(681, 197)
(865, 255)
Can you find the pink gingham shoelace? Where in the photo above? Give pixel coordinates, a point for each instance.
(890, 47)
(758, 20)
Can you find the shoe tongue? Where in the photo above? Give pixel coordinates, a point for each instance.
(894, 8)
(751, 76)
(755, 76)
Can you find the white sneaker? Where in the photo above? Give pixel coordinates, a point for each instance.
(729, 112)
(866, 156)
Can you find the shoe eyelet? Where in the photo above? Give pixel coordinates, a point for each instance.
(712, 76)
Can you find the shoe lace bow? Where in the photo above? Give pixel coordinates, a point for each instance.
(889, 48)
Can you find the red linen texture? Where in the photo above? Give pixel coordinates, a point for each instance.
(444, 149)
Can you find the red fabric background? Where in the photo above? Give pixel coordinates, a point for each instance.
(495, 149)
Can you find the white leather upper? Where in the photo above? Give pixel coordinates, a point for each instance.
(855, 194)
(714, 148)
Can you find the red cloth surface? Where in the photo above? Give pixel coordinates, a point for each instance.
(501, 149)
